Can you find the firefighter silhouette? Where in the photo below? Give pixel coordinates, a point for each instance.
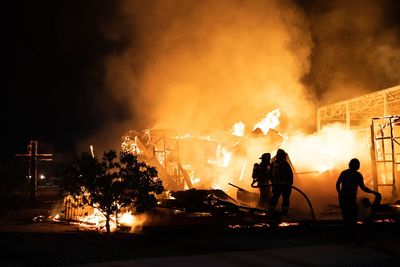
(282, 180)
(262, 179)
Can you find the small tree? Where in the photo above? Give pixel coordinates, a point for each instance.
(112, 184)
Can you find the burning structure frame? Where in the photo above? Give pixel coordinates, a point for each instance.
(357, 112)
(378, 115)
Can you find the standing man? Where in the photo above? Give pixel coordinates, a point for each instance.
(347, 184)
(282, 180)
(262, 179)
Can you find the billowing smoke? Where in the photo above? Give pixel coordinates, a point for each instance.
(357, 47)
(195, 65)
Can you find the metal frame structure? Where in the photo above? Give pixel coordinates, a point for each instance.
(160, 149)
(385, 152)
(383, 107)
(357, 112)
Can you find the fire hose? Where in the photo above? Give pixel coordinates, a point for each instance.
(298, 190)
(293, 187)
(308, 202)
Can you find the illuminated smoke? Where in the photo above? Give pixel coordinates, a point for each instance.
(196, 65)
(333, 146)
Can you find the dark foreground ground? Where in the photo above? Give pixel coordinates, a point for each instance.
(25, 242)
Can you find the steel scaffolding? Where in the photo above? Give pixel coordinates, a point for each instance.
(357, 112)
(385, 152)
(383, 108)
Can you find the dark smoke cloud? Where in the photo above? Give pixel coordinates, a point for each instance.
(357, 47)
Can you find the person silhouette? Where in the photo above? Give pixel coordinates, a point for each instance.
(262, 179)
(347, 184)
(282, 180)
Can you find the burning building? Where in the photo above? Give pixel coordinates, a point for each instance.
(209, 160)
(363, 127)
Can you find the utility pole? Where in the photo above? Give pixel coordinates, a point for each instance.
(33, 158)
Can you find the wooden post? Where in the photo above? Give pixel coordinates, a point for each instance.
(33, 157)
(33, 170)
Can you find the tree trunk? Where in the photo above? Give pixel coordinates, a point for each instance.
(108, 223)
(116, 219)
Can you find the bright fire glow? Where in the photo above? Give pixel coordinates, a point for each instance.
(287, 224)
(271, 121)
(238, 129)
(223, 156)
(214, 161)
(332, 147)
(92, 150)
(130, 145)
(127, 219)
(134, 221)
(194, 180)
(97, 221)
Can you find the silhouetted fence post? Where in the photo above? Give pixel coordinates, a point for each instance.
(33, 158)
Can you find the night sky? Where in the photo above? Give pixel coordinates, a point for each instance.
(53, 72)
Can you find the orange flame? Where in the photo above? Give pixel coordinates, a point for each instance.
(97, 221)
(271, 121)
(238, 129)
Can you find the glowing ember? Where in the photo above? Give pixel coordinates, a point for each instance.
(385, 221)
(263, 225)
(97, 221)
(287, 224)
